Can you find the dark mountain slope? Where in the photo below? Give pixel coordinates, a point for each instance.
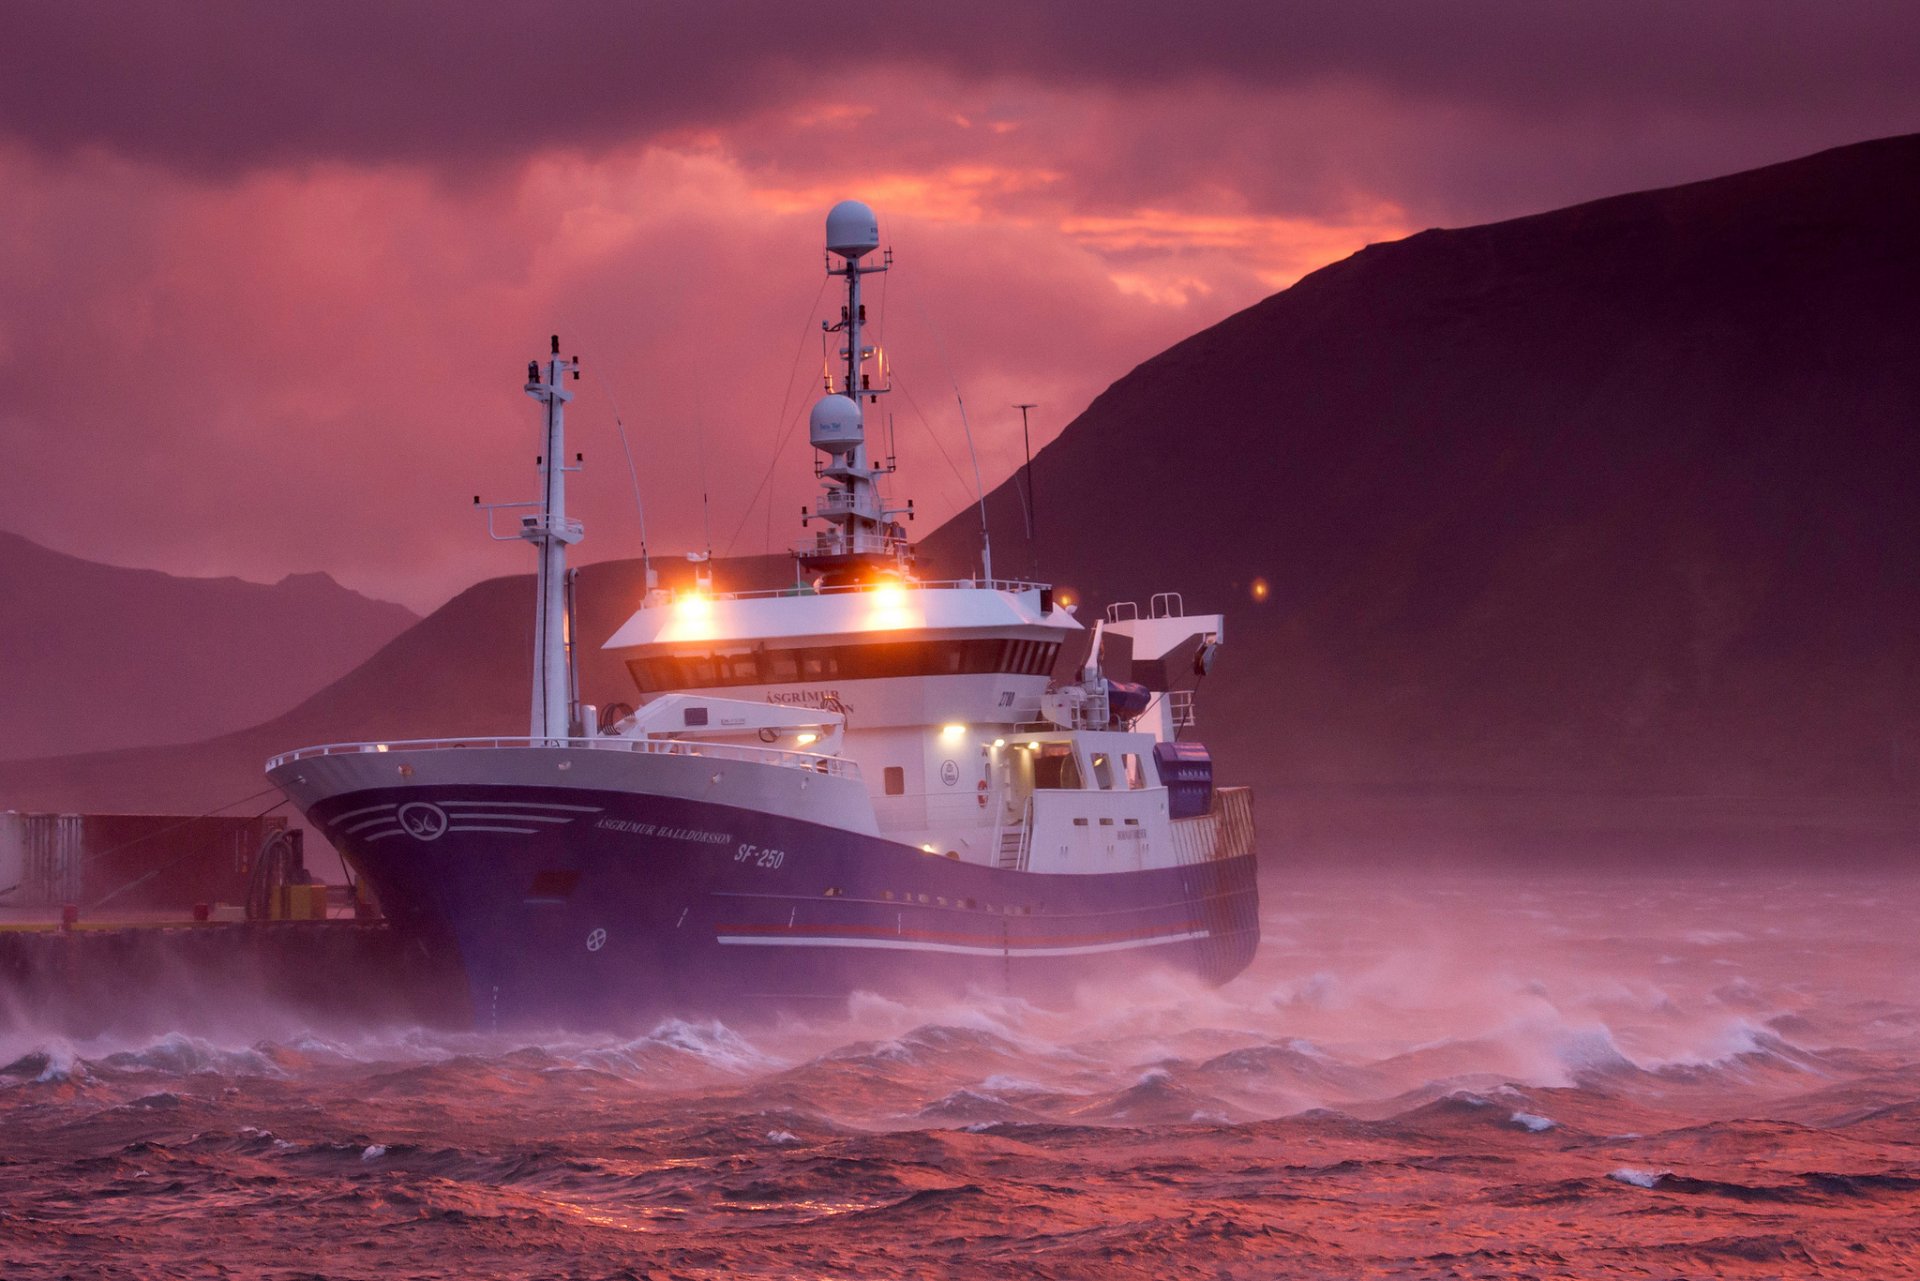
(98, 656)
(1619, 496)
(1596, 509)
(464, 670)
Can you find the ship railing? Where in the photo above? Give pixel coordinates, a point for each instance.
(841, 543)
(814, 762)
(1014, 585)
(1162, 605)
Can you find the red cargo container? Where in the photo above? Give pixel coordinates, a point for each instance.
(120, 863)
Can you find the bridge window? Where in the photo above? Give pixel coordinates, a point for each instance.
(1136, 773)
(895, 780)
(1102, 771)
(843, 663)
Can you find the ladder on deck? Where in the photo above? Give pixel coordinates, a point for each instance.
(1012, 855)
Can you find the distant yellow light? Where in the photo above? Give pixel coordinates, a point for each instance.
(953, 731)
(1033, 747)
(927, 848)
(999, 742)
(379, 747)
(1260, 589)
(804, 739)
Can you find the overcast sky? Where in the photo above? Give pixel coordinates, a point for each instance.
(272, 272)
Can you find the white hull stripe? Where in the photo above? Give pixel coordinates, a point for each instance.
(517, 805)
(459, 827)
(963, 949)
(338, 819)
(468, 809)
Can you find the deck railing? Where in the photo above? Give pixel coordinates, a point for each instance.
(1015, 585)
(811, 761)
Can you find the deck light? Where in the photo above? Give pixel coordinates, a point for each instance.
(804, 739)
(953, 731)
(887, 609)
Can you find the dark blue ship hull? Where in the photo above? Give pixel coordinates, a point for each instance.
(598, 909)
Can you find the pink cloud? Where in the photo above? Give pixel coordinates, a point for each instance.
(274, 271)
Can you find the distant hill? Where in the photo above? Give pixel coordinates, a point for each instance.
(98, 656)
(1611, 502)
(1624, 496)
(466, 669)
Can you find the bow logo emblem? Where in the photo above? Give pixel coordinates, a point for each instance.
(422, 821)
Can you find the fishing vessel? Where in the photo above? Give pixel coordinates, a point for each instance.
(869, 781)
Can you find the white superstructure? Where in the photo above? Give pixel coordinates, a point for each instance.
(945, 694)
(866, 781)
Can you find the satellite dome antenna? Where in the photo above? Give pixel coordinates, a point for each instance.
(863, 540)
(852, 230)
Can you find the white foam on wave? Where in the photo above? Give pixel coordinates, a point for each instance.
(62, 1066)
(711, 1042)
(1639, 1178)
(178, 1054)
(1533, 1121)
(1001, 1083)
(708, 1044)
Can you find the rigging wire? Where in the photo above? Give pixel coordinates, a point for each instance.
(706, 503)
(633, 473)
(940, 342)
(800, 350)
(932, 435)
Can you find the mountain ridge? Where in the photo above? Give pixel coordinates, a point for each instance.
(1606, 501)
(234, 650)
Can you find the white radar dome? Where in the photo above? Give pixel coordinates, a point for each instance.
(852, 230)
(834, 425)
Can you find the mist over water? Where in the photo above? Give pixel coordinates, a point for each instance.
(1419, 1076)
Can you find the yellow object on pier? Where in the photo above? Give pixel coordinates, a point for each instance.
(300, 903)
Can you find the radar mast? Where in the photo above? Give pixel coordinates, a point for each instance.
(862, 539)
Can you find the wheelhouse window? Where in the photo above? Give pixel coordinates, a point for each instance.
(842, 663)
(1136, 773)
(1102, 771)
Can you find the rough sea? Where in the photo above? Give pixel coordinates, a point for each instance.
(1421, 1076)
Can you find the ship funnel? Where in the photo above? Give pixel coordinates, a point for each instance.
(834, 426)
(852, 230)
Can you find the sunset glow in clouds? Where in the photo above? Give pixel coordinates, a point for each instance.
(272, 273)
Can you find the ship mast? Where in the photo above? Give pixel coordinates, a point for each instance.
(551, 532)
(862, 539)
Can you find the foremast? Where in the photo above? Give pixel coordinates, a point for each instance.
(551, 532)
(862, 540)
